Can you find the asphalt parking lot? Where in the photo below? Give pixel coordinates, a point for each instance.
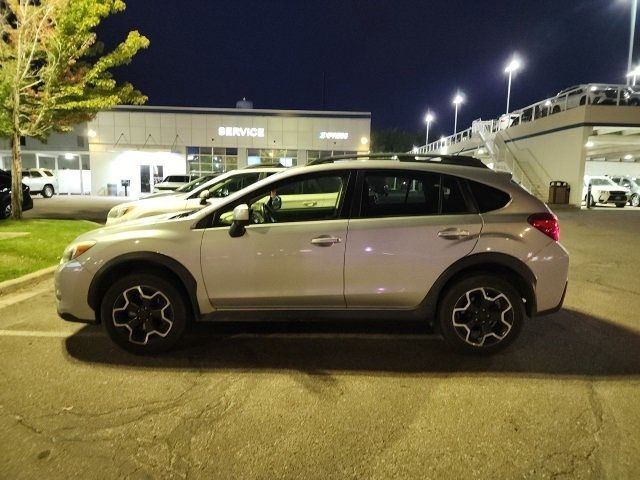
(340, 399)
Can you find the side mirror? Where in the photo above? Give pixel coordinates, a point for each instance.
(240, 219)
(204, 195)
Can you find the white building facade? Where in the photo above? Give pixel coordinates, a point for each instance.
(141, 145)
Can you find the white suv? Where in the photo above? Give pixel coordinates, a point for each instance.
(397, 237)
(209, 192)
(604, 190)
(41, 180)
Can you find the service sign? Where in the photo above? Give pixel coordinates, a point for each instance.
(241, 132)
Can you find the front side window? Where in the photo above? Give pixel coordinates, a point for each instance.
(308, 199)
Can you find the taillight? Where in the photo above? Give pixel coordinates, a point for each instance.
(547, 223)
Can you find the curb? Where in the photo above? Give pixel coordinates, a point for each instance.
(11, 286)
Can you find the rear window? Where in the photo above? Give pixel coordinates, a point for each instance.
(488, 198)
(176, 178)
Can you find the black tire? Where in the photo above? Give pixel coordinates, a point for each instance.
(48, 191)
(5, 210)
(135, 305)
(481, 314)
(620, 205)
(634, 102)
(555, 109)
(635, 200)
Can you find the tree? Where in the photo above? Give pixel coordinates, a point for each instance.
(395, 140)
(54, 73)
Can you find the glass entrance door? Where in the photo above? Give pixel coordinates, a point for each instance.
(145, 179)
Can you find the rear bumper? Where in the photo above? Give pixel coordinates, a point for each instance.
(557, 307)
(550, 267)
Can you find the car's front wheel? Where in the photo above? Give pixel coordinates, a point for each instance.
(480, 314)
(635, 200)
(144, 314)
(5, 210)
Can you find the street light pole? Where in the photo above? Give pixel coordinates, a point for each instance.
(513, 66)
(457, 100)
(428, 119)
(634, 12)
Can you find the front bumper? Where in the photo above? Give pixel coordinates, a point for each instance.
(72, 282)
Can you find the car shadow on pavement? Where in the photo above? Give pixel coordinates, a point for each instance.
(568, 343)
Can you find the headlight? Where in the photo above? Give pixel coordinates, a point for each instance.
(117, 212)
(75, 250)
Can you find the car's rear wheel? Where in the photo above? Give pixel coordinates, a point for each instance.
(480, 314)
(621, 205)
(47, 191)
(144, 314)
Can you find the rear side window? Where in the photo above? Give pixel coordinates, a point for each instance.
(411, 193)
(488, 198)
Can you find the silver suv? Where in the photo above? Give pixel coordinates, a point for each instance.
(442, 239)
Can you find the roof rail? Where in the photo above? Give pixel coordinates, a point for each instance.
(461, 160)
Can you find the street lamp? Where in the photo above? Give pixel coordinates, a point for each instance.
(457, 100)
(634, 11)
(634, 74)
(428, 118)
(513, 66)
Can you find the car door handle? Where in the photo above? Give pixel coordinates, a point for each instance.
(310, 204)
(453, 233)
(325, 241)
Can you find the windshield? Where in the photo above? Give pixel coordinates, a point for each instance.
(194, 184)
(230, 185)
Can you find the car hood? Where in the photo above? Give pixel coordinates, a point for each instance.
(609, 188)
(155, 222)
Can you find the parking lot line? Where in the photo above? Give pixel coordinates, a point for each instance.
(35, 333)
(13, 298)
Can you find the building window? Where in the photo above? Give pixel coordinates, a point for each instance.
(81, 141)
(318, 154)
(287, 158)
(205, 160)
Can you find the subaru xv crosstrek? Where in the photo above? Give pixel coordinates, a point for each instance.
(443, 239)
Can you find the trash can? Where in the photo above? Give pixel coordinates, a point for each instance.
(559, 192)
(112, 189)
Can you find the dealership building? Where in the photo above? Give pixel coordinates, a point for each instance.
(141, 145)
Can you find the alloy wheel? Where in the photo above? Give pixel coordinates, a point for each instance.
(144, 312)
(483, 317)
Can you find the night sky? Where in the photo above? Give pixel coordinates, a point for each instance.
(393, 58)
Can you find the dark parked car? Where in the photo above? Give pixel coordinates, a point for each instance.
(5, 196)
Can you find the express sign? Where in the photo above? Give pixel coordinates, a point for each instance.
(334, 135)
(241, 132)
